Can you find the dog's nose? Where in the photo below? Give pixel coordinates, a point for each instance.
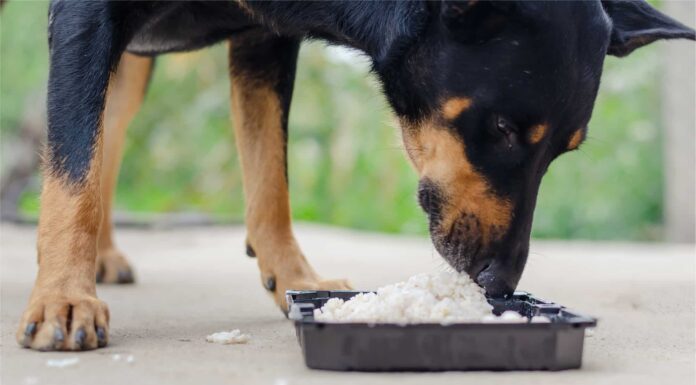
(496, 281)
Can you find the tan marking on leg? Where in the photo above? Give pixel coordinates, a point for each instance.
(67, 247)
(257, 116)
(453, 107)
(439, 156)
(538, 132)
(260, 140)
(125, 96)
(577, 138)
(69, 221)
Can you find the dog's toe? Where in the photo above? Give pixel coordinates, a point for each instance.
(304, 283)
(112, 267)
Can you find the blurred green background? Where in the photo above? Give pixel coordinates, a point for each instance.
(347, 167)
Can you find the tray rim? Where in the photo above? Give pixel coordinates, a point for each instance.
(578, 321)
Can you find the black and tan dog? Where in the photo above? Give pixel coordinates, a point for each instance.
(488, 93)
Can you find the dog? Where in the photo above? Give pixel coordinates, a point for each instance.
(487, 94)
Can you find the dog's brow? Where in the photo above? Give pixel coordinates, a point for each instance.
(452, 107)
(576, 138)
(538, 132)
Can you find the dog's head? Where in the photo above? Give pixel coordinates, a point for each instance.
(489, 95)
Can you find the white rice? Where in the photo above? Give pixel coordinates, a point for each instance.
(226, 338)
(62, 362)
(445, 297)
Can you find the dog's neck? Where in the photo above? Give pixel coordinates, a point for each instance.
(379, 28)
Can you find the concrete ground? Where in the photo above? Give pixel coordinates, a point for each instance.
(195, 281)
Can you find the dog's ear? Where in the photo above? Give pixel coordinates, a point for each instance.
(475, 20)
(636, 23)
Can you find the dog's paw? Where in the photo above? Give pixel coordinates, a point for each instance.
(112, 267)
(278, 286)
(55, 322)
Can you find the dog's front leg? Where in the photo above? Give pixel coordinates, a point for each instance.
(64, 312)
(262, 69)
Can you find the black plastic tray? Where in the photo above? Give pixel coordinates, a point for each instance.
(434, 347)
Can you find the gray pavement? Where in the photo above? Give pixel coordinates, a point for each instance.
(195, 281)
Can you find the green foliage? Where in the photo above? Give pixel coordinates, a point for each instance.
(346, 164)
(612, 187)
(24, 59)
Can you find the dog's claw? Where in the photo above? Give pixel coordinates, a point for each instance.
(270, 284)
(58, 335)
(125, 276)
(58, 338)
(29, 334)
(80, 337)
(30, 330)
(250, 251)
(101, 337)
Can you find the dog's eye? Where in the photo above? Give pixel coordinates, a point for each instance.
(504, 130)
(504, 125)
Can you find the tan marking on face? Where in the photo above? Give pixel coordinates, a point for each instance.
(440, 157)
(538, 132)
(454, 107)
(257, 116)
(576, 139)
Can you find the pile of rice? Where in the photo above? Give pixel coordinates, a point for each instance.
(228, 338)
(444, 297)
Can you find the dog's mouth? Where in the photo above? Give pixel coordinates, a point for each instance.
(461, 245)
(465, 249)
(458, 243)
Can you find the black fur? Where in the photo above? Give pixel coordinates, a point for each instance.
(81, 43)
(380, 29)
(85, 42)
(524, 62)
